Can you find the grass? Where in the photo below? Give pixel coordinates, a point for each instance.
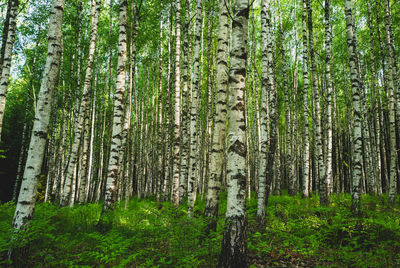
(148, 234)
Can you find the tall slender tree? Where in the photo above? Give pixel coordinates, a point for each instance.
(306, 135)
(177, 115)
(7, 46)
(193, 166)
(262, 180)
(185, 105)
(314, 82)
(27, 196)
(326, 177)
(218, 139)
(390, 84)
(234, 242)
(355, 87)
(112, 171)
(266, 172)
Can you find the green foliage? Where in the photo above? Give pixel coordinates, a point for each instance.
(2, 153)
(298, 232)
(301, 231)
(145, 235)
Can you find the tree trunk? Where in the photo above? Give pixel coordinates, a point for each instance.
(218, 139)
(6, 28)
(6, 63)
(234, 243)
(326, 178)
(112, 171)
(373, 113)
(27, 195)
(355, 86)
(126, 131)
(185, 133)
(390, 83)
(317, 120)
(177, 115)
(267, 89)
(306, 141)
(91, 146)
(161, 152)
(194, 165)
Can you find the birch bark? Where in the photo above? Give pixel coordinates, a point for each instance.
(234, 243)
(177, 115)
(306, 141)
(326, 178)
(194, 165)
(112, 171)
(218, 139)
(355, 87)
(27, 195)
(6, 64)
(392, 103)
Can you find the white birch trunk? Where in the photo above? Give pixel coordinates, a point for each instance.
(392, 104)
(160, 117)
(234, 244)
(6, 67)
(112, 171)
(91, 145)
(185, 105)
(327, 178)
(27, 195)
(218, 139)
(317, 120)
(355, 86)
(306, 141)
(262, 180)
(194, 163)
(177, 112)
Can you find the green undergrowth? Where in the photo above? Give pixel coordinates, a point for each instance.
(302, 232)
(151, 234)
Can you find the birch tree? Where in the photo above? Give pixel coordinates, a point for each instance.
(185, 105)
(306, 141)
(112, 171)
(266, 164)
(177, 115)
(234, 242)
(391, 75)
(317, 120)
(7, 45)
(218, 139)
(193, 166)
(326, 178)
(355, 88)
(27, 196)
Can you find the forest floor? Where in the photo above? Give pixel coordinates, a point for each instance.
(298, 232)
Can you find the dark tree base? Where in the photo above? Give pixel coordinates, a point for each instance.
(234, 244)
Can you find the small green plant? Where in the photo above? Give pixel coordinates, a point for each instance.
(2, 154)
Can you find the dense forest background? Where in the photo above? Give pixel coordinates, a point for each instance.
(214, 106)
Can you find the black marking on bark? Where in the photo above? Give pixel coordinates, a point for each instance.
(239, 148)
